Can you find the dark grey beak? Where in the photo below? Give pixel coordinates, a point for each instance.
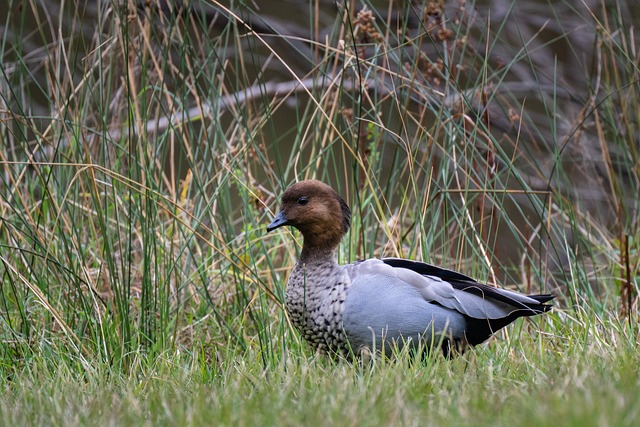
(277, 222)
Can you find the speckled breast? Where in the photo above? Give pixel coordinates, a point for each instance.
(316, 306)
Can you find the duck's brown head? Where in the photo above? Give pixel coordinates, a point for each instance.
(315, 209)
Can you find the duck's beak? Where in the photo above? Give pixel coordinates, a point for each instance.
(278, 221)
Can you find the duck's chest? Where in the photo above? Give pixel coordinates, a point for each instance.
(315, 303)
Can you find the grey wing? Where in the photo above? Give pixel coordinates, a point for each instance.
(460, 293)
(382, 307)
(466, 295)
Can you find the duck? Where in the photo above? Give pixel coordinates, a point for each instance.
(378, 305)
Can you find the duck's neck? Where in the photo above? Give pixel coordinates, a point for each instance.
(318, 254)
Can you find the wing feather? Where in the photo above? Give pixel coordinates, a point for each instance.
(453, 290)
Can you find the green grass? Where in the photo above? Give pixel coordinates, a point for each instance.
(575, 372)
(142, 152)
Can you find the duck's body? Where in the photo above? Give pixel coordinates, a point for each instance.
(375, 304)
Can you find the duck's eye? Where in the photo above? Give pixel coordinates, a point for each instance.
(303, 201)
